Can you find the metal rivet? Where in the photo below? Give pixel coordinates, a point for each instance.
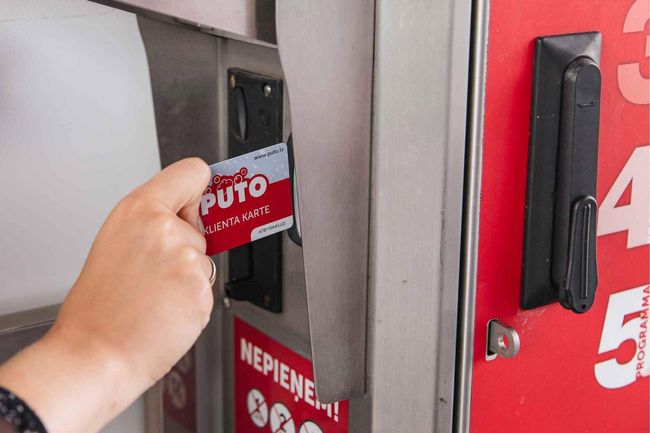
(233, 81)
(267, 90)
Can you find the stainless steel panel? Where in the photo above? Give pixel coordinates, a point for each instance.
(419, 128)
(326, 50)
(188, 76)
(184, 68)
(291, 327)
(421, 76)
(248, 20)
(19, 330)
(185, 71)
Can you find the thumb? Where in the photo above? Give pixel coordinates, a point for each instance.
(179, 188)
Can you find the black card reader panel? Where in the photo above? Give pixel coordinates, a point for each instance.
(255, 117)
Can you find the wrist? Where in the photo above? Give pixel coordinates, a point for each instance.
(73, 384)
(103, 360)
(111, 379)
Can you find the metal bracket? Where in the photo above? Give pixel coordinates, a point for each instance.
(503, 340)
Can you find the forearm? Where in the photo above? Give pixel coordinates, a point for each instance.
(73, 385)
(140, 302)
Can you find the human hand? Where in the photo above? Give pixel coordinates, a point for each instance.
(144, 290)
(140, 302)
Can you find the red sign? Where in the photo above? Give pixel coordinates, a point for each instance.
(179, 398)
(274, 389)
(574, 373)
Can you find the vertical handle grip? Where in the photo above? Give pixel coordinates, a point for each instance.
(574, 245)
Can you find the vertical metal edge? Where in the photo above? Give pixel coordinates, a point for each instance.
(153, 408)
(471, 215)
(452, 230)
(418, 153)
(329, 83)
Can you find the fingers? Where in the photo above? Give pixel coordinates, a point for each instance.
(205, 270)
(207, 303)
(179, 188)
(189, 235)
(190, 214)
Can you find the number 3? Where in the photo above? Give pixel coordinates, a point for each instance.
(634, 87)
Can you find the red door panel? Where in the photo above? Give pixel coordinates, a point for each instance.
(574, 373)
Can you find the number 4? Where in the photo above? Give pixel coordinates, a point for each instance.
(634, 217)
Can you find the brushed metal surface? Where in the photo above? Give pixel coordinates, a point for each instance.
(188, 77)
(291, 327)
(419, 130)
(183, 66)
(326, 49)
(19, 330)
(248, 20)
(154, 412)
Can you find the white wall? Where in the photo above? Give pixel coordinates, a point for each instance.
(77, 132)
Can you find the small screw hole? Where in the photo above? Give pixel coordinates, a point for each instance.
(503, 342)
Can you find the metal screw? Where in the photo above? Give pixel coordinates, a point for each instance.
(225, 301)
(233, 81)
(267, 90)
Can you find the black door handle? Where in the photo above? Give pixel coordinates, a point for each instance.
(559, 260)
(574, 243)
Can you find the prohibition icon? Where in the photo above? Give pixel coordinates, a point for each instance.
(257, 407)
(310, 427)
(280, 419)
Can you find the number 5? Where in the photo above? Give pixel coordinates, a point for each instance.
(610, 374)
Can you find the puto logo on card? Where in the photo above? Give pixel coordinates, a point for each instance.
(248, 198)
(230, 189)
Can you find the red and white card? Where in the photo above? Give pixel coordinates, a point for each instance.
(248, 198)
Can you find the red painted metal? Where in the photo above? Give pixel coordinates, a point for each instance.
(552, 385)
